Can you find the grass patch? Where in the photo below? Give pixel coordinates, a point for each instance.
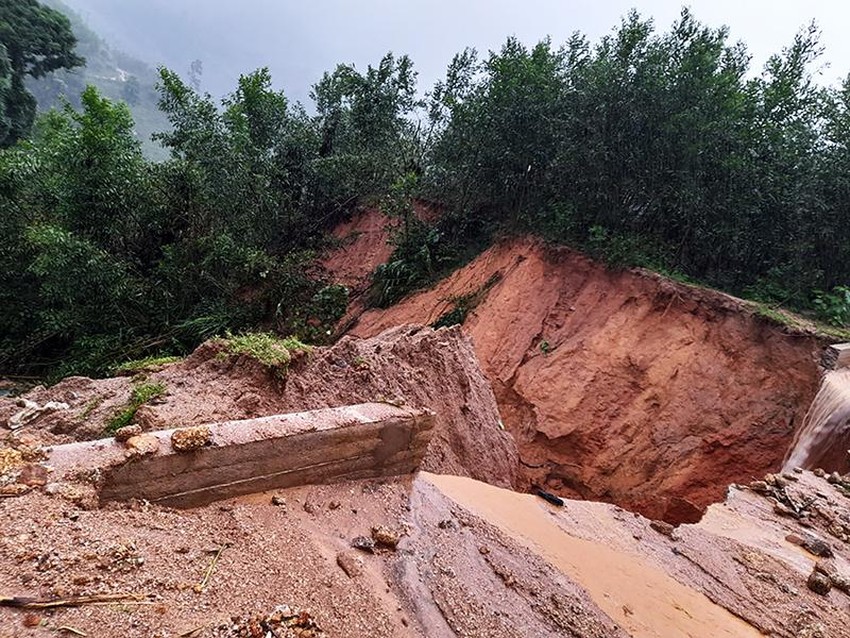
(464, 304)
(90, 407)
(273, 352)
(138, 365)
(141, 394)
(797, 323)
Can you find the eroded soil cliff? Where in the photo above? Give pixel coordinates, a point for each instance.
(623, 386)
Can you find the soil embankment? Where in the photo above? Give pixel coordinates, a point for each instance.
(407, 365)
(623, 386)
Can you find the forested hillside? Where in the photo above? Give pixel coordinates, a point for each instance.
(115, 74)
(662, 149)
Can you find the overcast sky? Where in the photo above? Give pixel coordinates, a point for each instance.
(299, 40)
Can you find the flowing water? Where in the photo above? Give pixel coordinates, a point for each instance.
(824, 439)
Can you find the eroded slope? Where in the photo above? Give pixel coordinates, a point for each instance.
(624, 386)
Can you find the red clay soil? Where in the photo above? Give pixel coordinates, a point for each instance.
(623, 386)
(407, 365)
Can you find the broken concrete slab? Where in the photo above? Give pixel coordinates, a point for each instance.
(253, 455)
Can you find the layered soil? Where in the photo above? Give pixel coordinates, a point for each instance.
(623, 386)
(406, 365)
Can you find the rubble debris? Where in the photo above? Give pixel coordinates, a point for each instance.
(188, 439)
(122, 435)
(819, 583)
(283, 622)
(364, 544)
(351, 564)
(31, 411)
(385, 537)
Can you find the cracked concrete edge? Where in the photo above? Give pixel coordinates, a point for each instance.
(320, 446)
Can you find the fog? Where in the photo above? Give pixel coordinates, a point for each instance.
(298, 41)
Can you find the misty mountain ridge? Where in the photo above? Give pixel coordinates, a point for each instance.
(116, 75)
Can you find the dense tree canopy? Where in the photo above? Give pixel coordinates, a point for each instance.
(657, 149)
(34, 40)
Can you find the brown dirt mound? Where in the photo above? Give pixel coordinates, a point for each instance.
(624, 386)
(408, 365)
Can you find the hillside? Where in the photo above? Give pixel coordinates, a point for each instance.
(117, 75)
(604, 377)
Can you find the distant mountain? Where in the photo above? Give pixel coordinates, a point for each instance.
(117, 75)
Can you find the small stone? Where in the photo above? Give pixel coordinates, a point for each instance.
(662, 527)
(279, 501)
(188, 439)
(819, 583)
(770, 479)
(142, 445)
(811, 544)
(819, 472)
(834, 478)
(760, 486)
(830, 569)
(33, 474)
(127, 432)
(385, 536)
(790, 477)
(798, 470)
(350, 563)
(334, 505)
(32, 620)
(14, 489)
(364, 544)
(447, 524)
(484, 550)
(779, 508)
(309, 507)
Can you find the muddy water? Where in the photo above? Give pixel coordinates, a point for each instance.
(639, 597)
(824, 438)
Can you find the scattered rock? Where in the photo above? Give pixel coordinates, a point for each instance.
(811, 544)
(385, 537)
(334, 505)
(830, 569)
(142, 445)
(122, 435)
(279, 501)
(350, 563)
(819, 472)
(662, 527)
(31, 411)
(364, 544)
(834, 478)
(188, 439)
(14, 489)
(819, 583)
(33, 474)
(447, 524)
(760, 486)
(484, 550)
(309, 507)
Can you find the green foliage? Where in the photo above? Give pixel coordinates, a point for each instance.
(140, 394)
(115, 74)
(834, 307)
(273, 352)
(34, 40)
(655, 149)
(142, 365)
(464, 304)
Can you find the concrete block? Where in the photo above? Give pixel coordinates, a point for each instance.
(253, 455)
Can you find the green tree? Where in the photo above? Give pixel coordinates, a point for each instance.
(34, 40)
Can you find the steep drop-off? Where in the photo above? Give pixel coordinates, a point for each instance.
(623, 386)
